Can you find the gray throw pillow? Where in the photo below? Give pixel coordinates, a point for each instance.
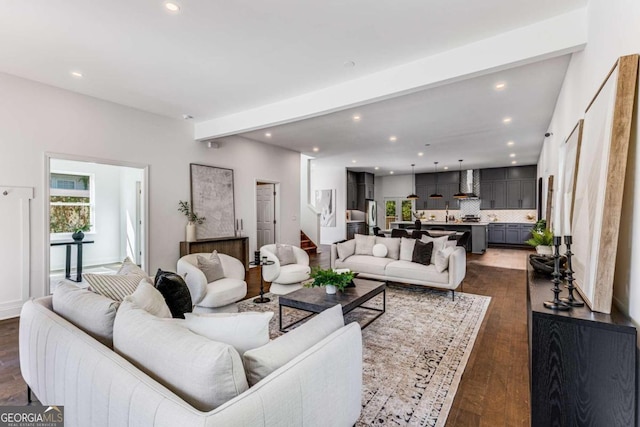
(346, 249)
(211, 267)
(285, 254)
(364, 244)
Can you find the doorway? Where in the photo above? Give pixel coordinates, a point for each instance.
(108, 201)
(266, 213)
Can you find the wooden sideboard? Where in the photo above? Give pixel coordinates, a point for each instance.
(582, 363)
(237, 247)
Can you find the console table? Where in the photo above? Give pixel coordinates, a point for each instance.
(67, 265)
(582, 363)
(237, 247)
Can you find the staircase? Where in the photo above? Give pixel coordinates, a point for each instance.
(306, 244)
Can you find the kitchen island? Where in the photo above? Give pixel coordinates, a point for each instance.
(478, 230)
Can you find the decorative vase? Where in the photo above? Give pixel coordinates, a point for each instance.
(544, 250)
(331, 289)
(77, 236)
(191, 231)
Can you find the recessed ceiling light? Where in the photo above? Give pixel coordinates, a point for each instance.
(187, 116)
(427, 145)
(500, 86)
(506, 120)
(514, 162)
(390, 172)
(446, 167)
(76, 74)
(349, 64)
(268, 134)
(356, 118)
(353, 161)
(512, 155)
(316, 149)
(510, 143)
(393, 138)
(377, 167)
(172, 7)
(421, 154)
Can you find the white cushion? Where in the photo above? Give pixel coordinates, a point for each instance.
(439, 244)
(204, 373)
(346, 249)
(293, 273)
(148, 298)
(392, 244)
(285, 254)
(91, 312)
(114, 286)
(442, 258)
(211, 267)
(451, 243)
(415, 271)
(223, 292)
(406, 248)
(262, 361)
(130, 267)
(243, 331)
(364, 244)
(365, 264)
(379, 250)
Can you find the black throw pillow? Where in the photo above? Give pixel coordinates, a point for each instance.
(422, 252)
(175, 292)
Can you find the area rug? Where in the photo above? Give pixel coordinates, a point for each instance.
(413, 355)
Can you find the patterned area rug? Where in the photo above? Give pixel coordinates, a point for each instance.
(414, 354)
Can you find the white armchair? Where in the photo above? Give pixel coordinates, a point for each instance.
(218, 296)
(285, 278)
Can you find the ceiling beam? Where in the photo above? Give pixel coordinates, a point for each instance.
(545, 39)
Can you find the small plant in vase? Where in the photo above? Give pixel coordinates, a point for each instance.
(193, 219)
(330, 279)
(78, 230)
(542, 240)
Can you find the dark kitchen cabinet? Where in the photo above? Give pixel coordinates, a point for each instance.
(352, 190)
(509, 233)
(354, 228)
(525, 232)
(360, 188)
(528, 194)
(493, 195)
(497, 233)
(508, 188)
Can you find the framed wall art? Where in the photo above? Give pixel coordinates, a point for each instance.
(212, 197)
(599, 184)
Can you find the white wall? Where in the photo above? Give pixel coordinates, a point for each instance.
(35, 118)
(325, 176)
(613, 31)
(309, 216)
(128, 200)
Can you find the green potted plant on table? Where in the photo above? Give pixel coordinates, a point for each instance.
(193, 219)
(78, 230)
(330, 279)
(542, 241)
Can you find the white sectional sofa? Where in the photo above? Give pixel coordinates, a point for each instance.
(396, 266)
(64, 365)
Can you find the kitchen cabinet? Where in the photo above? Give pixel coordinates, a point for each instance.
(493, 195)
(447, 185)
(354, 228)
(521, 194)
(360, 188)
(352, 190)
(525, 232)
(508, 188)
(497, 233)
(512, 234)
(509, 233)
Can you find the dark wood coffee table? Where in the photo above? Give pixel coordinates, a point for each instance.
(316, 300)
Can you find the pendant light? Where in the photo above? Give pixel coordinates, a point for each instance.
(460, 194)
(436, 195)
(413, 195)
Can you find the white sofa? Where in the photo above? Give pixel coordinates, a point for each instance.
(392, 269)
(285, 278)
(65, 366)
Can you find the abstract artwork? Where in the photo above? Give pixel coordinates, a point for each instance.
(212, 197)
(326, 204)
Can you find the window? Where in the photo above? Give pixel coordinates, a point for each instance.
(71, 201)
(398, 209)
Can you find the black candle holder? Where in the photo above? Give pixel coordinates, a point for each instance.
(568, 274)
(261, 262)
(556, 304)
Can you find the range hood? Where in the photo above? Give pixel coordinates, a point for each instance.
(470, 183)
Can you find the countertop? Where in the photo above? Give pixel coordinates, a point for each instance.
(355, 220)
(441, 223)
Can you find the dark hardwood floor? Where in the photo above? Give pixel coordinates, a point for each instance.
(494, 390)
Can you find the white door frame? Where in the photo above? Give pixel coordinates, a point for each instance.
(276, 204)
(47, 236)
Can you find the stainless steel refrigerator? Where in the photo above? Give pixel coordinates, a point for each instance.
(372, 215)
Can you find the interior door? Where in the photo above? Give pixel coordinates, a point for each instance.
(266, 208)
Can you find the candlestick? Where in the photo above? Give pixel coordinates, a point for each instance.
(556, 304)
(567, 216)
(570, 300)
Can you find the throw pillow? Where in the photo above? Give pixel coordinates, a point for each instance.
(422, 252)
(392, 244)
(149, 299)
(285, 254)
(262, 361)
(175, 292)
(379, 250)
(406, 248)
(364, 244)
(439, 244)
(243, 331)
(211, 267)
(442, 258)
(114, 286)
(130, 267)
(91, 312)
(346, 249)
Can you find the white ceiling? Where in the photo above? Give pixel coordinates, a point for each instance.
(215, 59)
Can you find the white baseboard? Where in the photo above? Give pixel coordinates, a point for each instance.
(10, 309)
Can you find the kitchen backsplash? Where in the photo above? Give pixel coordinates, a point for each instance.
(472, 207)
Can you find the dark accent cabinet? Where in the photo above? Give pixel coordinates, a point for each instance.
(354, 228)
(582, 364)
(352, 190)
(508, 188)
(360, 188)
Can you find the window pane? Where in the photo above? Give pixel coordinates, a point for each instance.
(65, 219)
(70, 199)
(406, 210)
(391, 208)
(69, 182)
